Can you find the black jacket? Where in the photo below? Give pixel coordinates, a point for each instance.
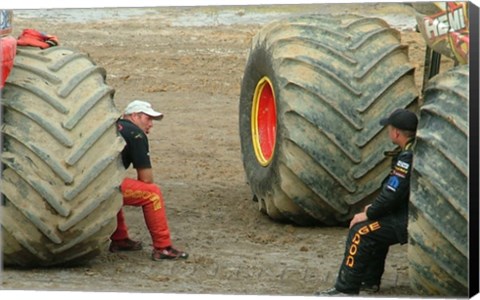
(391, 205)
(136, 151)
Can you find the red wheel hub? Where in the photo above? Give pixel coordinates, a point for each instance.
(264, 121)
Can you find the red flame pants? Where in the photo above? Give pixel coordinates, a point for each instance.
(149, 197)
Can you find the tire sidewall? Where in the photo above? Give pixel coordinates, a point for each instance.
(259, 64)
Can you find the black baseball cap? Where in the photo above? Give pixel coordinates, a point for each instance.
(401, 119)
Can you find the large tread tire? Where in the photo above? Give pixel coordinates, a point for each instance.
(61, 159)
(333, 78)
(438, 213)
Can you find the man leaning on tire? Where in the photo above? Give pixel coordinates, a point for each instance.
(384, 222)
(137, 120)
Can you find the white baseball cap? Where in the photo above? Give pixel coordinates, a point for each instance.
(137, 106)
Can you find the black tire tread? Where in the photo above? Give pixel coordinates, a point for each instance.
(339, 75)
(438, 222)
(62, 164)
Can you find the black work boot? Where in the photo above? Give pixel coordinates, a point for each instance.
(370, 287)
(332, 292)
(125, 245)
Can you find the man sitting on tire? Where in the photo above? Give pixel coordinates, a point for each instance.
(384, 222)
(134, 126)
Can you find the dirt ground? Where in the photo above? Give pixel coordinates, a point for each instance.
(189, 63)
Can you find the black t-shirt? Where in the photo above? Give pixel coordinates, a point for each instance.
(136, 151)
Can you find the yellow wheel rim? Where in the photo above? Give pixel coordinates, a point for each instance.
(264, 121)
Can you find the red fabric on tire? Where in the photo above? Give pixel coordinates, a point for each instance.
(35, 38)
(8, 47)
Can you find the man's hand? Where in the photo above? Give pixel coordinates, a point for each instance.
(360, 217)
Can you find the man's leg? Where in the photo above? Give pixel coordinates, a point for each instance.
(120, 239)
(149, 197)
(375, 269)
(122, 230)
(362, 243)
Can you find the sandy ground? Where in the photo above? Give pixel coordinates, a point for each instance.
(189, 63)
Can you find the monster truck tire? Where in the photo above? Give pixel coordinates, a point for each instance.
(438, 214)
(313, 92)
(61, 159)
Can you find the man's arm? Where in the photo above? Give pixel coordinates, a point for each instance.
(391, 194)
(145, 175)
(394, 189)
